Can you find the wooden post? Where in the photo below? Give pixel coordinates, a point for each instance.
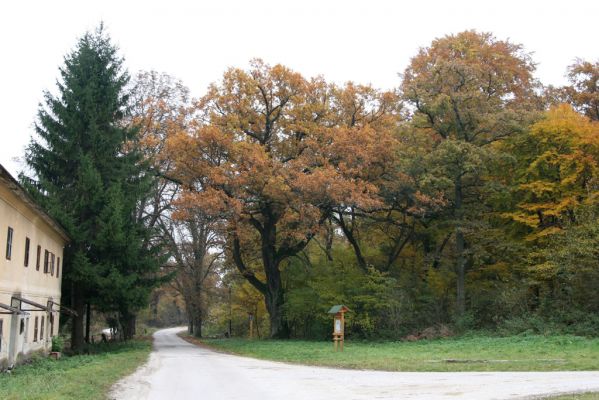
(251, 326)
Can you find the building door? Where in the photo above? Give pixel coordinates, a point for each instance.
(25, 335)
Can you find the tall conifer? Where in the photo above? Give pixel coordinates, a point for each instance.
(90, 178)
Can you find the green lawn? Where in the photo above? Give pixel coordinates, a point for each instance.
(75, 378)
(516, 353)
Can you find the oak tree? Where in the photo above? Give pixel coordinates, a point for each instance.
(468, 90)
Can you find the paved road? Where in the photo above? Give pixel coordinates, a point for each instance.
(178, 370)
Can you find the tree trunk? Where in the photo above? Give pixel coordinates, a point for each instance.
(128, 325)
(197, 325)
(274, 296)
(279, 328)
(88, 317)
(459, 246)
(78, 304)
(189, 318)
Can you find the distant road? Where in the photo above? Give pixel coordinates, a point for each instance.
(178, 370)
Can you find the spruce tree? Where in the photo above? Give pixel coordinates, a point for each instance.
(89, 177)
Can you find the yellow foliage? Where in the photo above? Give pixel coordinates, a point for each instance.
(562, 173)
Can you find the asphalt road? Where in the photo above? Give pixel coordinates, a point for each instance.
(178, 370)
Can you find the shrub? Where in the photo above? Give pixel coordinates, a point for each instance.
(57, 343)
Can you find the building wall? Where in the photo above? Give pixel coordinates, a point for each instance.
(27, 282)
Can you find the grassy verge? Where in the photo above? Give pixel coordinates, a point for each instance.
(581, 396)
(518, 353)
(78, 377)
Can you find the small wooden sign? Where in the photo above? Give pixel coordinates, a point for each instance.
(338, 325)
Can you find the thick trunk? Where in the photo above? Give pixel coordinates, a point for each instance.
(279, 328)
(128, 326)
(88, 317)
(459, 247)
(77, 334)
(189, 315)
(194, 317)
(274, 296)
(197, 325)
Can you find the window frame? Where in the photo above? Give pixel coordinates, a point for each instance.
(39, 256)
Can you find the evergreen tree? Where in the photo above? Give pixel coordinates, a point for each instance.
(89, 176)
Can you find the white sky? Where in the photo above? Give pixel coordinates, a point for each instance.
(195, 41)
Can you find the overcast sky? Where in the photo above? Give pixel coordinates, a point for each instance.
(195, 41)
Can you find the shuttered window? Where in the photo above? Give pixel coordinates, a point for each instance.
(27, 243)
(9, 243)
(46, 260)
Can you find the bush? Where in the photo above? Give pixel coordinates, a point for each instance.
(57, 343)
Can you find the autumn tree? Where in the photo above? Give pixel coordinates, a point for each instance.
(467, 91)
(263, 156)
(194, 243)
(160, 109)
(583, 92)
(557, 170)
(404, 198)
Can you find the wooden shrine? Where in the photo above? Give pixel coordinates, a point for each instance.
(338, 312)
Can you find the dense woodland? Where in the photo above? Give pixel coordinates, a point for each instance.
(466, 198)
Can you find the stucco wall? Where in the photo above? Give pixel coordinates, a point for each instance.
(27, 282)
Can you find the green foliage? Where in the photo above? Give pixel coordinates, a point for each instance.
(57, 343)
(90, 178)
(311, 293)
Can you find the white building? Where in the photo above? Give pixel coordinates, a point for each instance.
(31, 254)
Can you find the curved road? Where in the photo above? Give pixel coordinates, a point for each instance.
(178, 370)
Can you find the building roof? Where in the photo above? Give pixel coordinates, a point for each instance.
(7, 179)
(338, 308)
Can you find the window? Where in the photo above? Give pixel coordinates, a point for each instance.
(53, 257)
(39, 253)
(46, 257)
(35, 321)
(27, 242)
(1, 323)
(9, 243)
(58, 267)
(42, 329)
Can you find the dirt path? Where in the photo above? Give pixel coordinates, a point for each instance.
(178, 370)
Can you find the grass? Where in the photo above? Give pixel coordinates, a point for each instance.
(78, 377)
(516, 353)
(581, 396)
